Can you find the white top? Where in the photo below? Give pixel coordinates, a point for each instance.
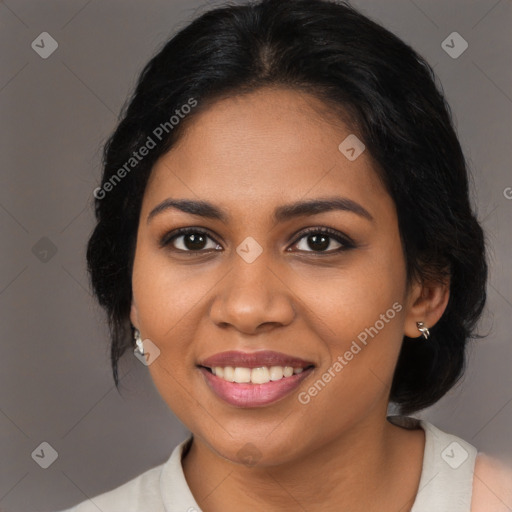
(446, 481)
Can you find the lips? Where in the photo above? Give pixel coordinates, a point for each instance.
(231, 376)
(254, 360)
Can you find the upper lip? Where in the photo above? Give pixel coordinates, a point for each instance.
(254, 360)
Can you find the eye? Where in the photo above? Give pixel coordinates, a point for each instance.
(320, 239)
(189, 240)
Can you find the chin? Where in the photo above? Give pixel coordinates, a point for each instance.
(256, 451)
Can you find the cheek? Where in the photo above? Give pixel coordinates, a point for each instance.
(362, 298)
(168, 301)
(359, 316)
(165, 294)
(363, 342)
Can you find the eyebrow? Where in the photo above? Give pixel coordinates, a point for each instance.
(281, 213)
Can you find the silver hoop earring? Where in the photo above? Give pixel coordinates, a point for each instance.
(139, 349)
(424, 330)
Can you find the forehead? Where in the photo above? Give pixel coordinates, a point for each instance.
(265, 148)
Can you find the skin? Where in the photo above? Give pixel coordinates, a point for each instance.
(249, 155)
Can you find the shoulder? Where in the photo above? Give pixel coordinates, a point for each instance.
(133, 496)
(492, 485)
(145, 491)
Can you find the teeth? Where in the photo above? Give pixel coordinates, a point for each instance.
(288, 371)
(276, 372)
(229, 373)
(260, 375)
(242, 375)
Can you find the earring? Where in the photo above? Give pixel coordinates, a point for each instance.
(424, 330)
(139, 349)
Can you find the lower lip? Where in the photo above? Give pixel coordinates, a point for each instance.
(253, 395)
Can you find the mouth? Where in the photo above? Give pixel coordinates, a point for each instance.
(254, 379)
(258, 375)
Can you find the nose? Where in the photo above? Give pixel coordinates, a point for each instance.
(252, 298)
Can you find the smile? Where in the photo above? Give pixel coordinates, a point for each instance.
(253, 379)
(260, 375)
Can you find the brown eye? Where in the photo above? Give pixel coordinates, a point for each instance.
(320, 239)
(189, 240)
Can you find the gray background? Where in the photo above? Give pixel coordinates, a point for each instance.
(55, 378)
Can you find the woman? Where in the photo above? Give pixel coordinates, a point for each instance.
(284, 236)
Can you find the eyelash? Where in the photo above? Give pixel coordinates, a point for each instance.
(346, 242)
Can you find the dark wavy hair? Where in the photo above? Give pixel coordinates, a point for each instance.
(388, 95)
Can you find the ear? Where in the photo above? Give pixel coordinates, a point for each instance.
(134, 315)
(427, 301)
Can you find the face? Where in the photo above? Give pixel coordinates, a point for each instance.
(324, 288)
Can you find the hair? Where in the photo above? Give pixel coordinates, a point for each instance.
(368, 77)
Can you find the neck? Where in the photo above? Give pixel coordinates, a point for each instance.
(356, 469)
